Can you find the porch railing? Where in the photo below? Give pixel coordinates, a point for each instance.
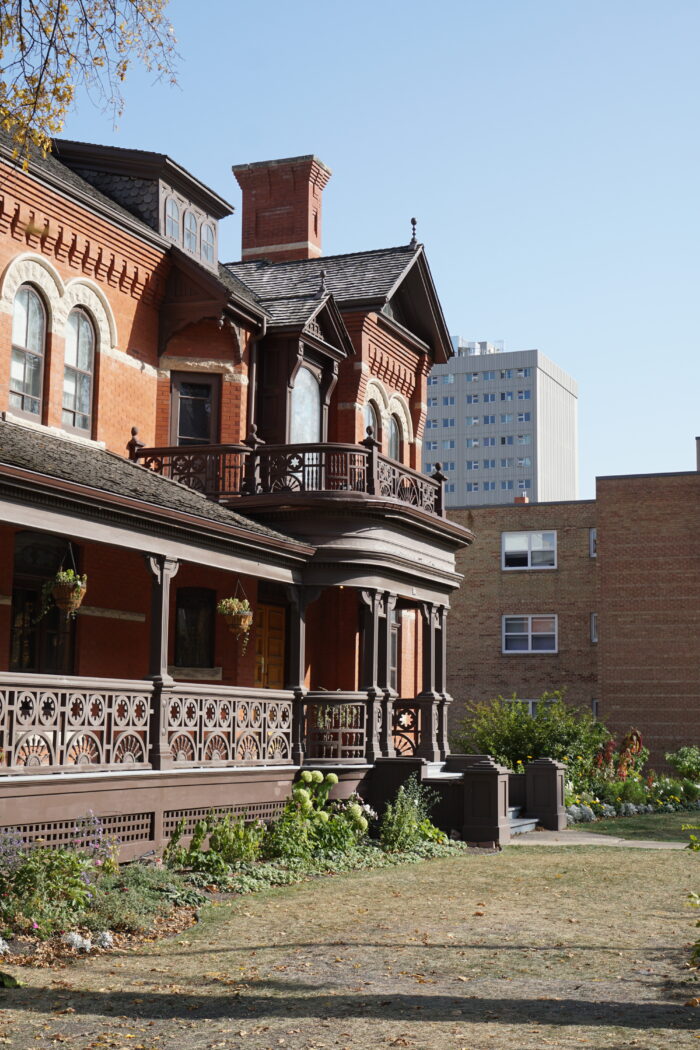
(226, 727)
(226, 471)
(335, 727)
(52, 724)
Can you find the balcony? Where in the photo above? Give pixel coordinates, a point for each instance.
(228, 472)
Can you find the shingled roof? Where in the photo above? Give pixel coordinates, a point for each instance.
(358, 277)
(68, 460)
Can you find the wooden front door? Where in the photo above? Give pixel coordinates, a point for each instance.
(269, 646)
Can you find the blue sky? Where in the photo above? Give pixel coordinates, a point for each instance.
(549, 149)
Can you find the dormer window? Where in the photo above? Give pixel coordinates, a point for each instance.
(190, 232)
(208, 243)
(172, 219)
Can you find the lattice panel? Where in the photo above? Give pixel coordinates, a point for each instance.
(127, 827)
(254, 810)
(213, 730)
(81, 730)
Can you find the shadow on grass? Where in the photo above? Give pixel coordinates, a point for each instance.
(277, 999)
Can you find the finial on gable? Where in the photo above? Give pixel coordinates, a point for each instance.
(322, 287)
(413, 243)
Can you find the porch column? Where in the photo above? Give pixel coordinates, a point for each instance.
(386, 735)
(300, 598)
(441, 682)
(162, 570)
(428, 699)
(371, 607)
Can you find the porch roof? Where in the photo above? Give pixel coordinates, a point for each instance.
(96, 475)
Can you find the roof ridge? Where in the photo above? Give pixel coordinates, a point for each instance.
(321, 258)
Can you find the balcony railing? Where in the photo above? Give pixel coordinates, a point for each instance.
(222, 472)
(335, 729)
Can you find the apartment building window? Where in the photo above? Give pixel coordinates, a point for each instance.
(472, 464)
(506, 486)
(489, 419)
(593, 543)
(450, 487)
(472, 421)
(448, 422)
(427, 469)
(506, 395)
(507, 439)
(532, 705)
(529, 634)
(507, 462)
(525, 483)
(523, 395)
(594, 627)
(506, 373)
(489, 376)
(448, 445)
(523, 373)
(472, 486)
(489, 464)
(472, 442)
(506, 417)
(431, 446)
(449, 378)
(524, 439)
(523, 461)
(471, 377)
(473, 399)
(489, 486)
(489, 398)
(432, 402)
(448, 400)
(431, 424)
(529, 550)
(523, 417)
(489, 442)
(448, 465)
(433, 380)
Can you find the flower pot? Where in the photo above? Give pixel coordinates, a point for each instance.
(239, 623)
(69, 596)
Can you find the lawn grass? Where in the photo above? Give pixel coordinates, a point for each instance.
(661, 827)
(567, 947)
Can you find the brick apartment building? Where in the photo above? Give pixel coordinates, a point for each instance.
(253, 472)
(598, 597)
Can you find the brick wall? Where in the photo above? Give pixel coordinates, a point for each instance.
(477, 669)
(649, 621)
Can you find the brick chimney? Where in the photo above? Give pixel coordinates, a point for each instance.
(282, 208)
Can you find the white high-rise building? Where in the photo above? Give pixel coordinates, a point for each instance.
(502, 424)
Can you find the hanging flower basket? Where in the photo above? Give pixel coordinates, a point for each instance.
(68, 590)
(239, 617)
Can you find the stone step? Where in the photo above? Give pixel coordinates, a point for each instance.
(514, 811)
(437, 771)
(519, 825)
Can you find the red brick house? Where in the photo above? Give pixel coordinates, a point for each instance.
(278, 406)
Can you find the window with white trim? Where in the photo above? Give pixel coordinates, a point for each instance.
(448, 400)
(208, 242)
(506, 395)
(431, 424)
(28, 352)
(489, 376)
(449, 378)
(78, 372)
(506, 486)
(536, 633)
(489, 419)
(472, 442)
(523, 395)
(431, 446)
(525, 483)
(473, 399)
(472, 421)
(472, 486)
(172, 219)
(472, 464)
(489, 464)
(433, 380)
(529, 550)
(524, 439)
(489, 442)
(508, 462)
(524, 417)
(432, 402)
(489, 486)
(190, 232)
(448, 422)
(449, 444)
(507, 417)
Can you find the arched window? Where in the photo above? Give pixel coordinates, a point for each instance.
(190, 231)
(28, 349)
(395, 438)
(372, 420)
(306, 409)
(78, 371)
(172, 219)
(208, 242)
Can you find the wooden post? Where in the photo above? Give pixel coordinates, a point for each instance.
(386, 735)
(372, 446)
(300, 598)
(162, 570)
(429, 698)
(371, 605)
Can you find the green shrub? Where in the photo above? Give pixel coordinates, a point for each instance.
(691, 791)
(505, 730)
(686, 761)
(633, 791)
(406, 821)
(135, 896)
(235, 838)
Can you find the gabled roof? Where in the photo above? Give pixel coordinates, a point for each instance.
(361, 280)
(357, 277)
(63, 458)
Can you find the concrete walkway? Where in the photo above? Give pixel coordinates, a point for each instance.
(571, 837)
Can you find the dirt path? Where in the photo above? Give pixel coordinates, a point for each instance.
(563, 947)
